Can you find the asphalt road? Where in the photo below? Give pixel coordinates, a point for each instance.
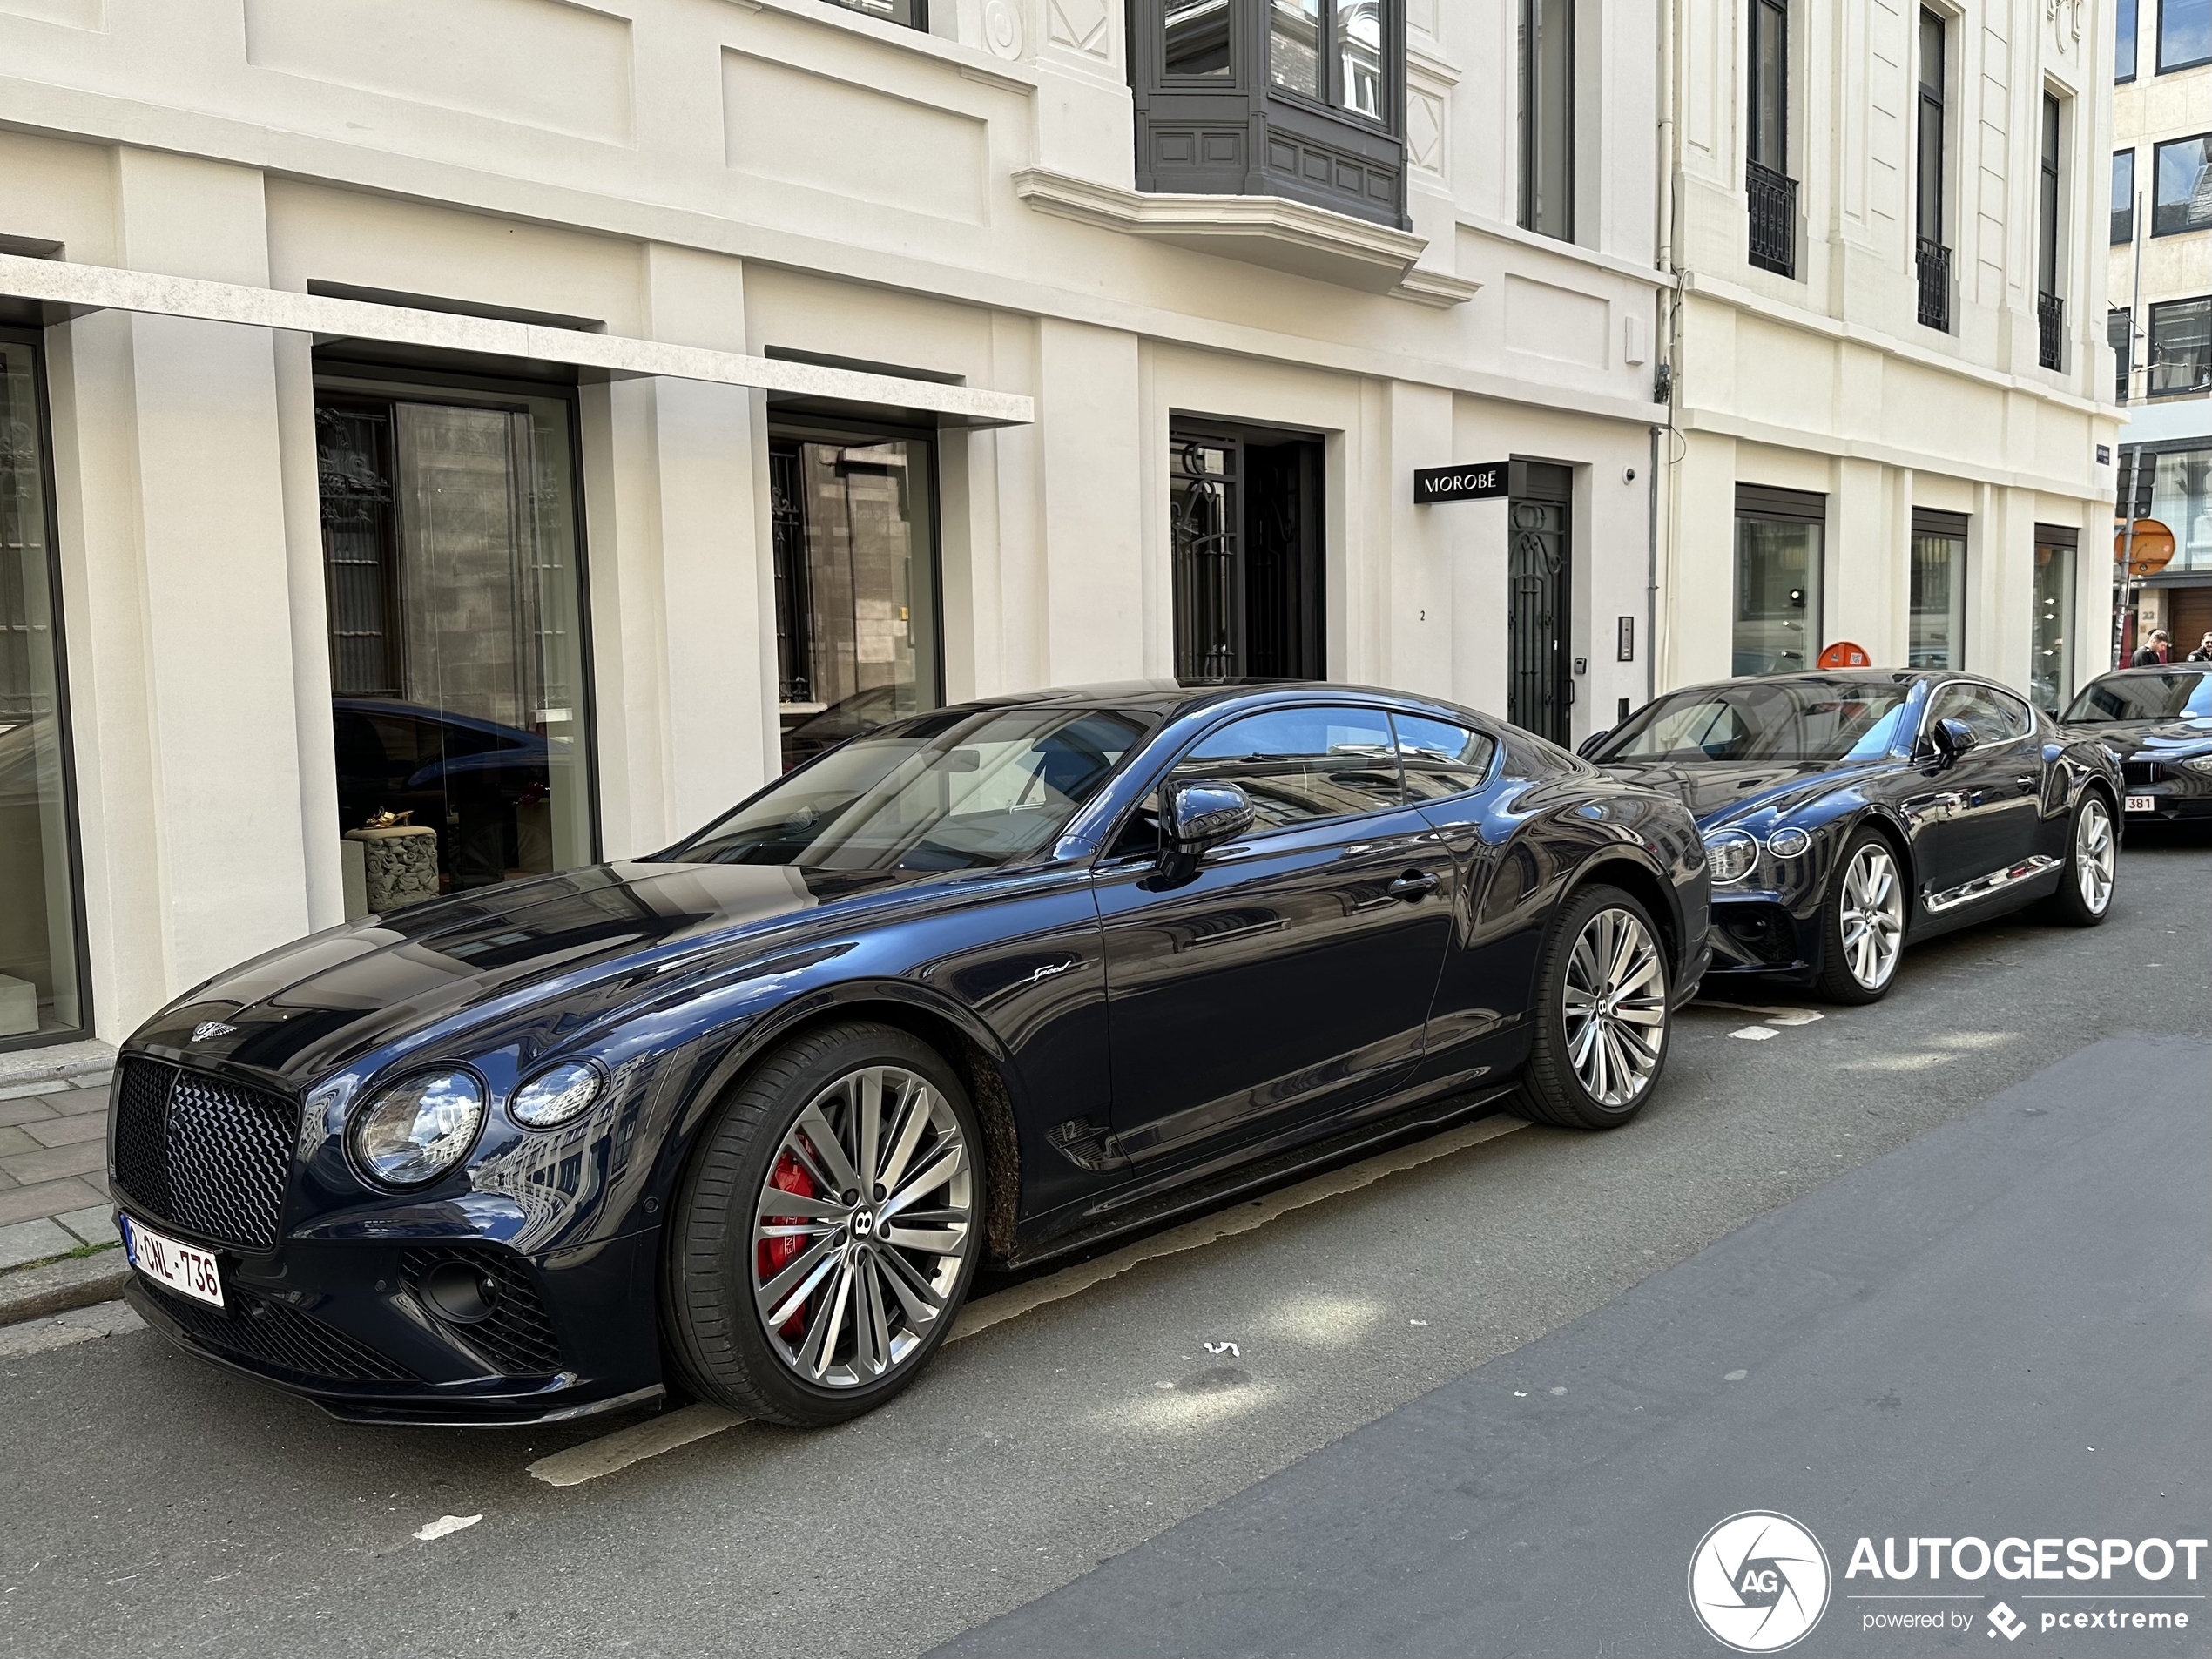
(2022, 1271)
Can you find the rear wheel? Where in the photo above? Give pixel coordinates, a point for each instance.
(827, 1230)
(1862, 917)
(2084, 898)
(1603, 1013)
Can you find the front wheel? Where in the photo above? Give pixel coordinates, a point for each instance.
(2084, 898)
(1603, 1018)
(1861, 922)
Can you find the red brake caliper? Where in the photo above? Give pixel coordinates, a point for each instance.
(776, 1254)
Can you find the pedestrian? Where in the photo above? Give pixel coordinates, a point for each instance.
(2155, 649)
(2203, 651)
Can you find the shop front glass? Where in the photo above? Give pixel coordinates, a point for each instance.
(1777, 596)
(2051, 652)
(1936, 622)
(41, 988)
(457, 660)
(854, 519)
(2181, 499)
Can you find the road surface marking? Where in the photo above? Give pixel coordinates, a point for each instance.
(627, 1446)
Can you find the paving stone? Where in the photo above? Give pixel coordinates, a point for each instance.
(13, 1140)
(27, 1110)
(43, 1086)
(76, 1102)
(67, 1131)
(34, 1241)
(92, 1080)
(95, 1225)
(52, 1162)
(50, 1199)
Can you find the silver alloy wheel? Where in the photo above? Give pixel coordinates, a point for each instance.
(849, 1273)
(1873, 916)
(1616, 997)
(2094, 855)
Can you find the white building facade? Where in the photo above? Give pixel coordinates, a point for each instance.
(541, 422)
(1893, 407)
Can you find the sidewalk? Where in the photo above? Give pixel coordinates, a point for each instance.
(53, 1152)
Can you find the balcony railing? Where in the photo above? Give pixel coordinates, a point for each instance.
(1935, 284)
(1774, 218)
(2050, 323)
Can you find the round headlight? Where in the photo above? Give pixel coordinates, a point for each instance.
(2199, 763)
(1730, 854)
(553, 1096)
(1788, 842)
(415, 1130)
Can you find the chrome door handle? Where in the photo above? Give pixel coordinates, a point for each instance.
(1414, 886)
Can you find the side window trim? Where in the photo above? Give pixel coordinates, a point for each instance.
(1491, 761)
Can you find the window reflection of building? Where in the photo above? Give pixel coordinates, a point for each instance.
(2050, 655)
(1936, 604)
(1778, 572)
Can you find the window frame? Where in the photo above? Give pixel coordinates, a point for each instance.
(1526, 123)
(1490, 760)
(1328, 102)
(2165, 67)
(2150, 340)
(2157, 152)
(2129, 12)
(1319, 705)
(2118, 239)
(2050, 179)
(1760, 98)
(1931, 97)
(2124, 353)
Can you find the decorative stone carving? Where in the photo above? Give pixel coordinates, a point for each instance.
(399, 865)
(1079, 23)
(1425, 129)
(1002, 29)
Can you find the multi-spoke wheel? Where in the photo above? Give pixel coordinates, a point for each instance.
(2084, 898)
(1863, 917)
(1603, 1017)
(827, 1229)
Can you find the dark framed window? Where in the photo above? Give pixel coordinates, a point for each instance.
(2180, 358)
(1930, 143)
(1548, 117)
(1936, 600)
(1245, 545)
(1779, 537)
(853, 513)
(454, 573)
(1303, 99)
(2123, 45)
(2184, 34)
(1771, 193)
(2182, 187)
(2050, 667)
(912, 14)
(2123, 197)
(46, 990)
(2050, 308)
(2120, 334)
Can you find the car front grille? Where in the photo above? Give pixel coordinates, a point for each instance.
(268, 1332)
(517, 1334)
(209, 1156)
(2143, 772)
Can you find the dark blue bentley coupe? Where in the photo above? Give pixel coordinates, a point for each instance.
(1846, 813)
(741, 1119)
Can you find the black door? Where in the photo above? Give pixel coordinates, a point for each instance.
(1541, 691)
(1994, 811)
(1291, 974)
(1246, 533)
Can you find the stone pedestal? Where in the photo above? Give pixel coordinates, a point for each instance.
(399, 866)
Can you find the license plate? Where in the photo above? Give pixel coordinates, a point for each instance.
(179, 1266)
(2142, 803)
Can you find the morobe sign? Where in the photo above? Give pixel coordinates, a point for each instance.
(1479, 481)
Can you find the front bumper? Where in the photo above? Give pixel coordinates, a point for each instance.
(1758, 934)
(2181, 796)
(354, 1328)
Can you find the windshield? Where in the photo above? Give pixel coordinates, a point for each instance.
(1786, 722)
(2145, 697)
(964, 789)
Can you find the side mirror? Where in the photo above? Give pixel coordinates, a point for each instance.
(1949, 740)
(1588, 747)
(1200, 813)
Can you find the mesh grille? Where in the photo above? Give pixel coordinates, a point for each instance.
(209, 1154)
(517, 1336)
(278, 1335)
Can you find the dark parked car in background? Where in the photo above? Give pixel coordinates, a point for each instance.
(743, 1118)
(1845, 813)
(2158, 722)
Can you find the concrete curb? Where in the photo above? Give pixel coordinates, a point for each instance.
(57, 1063)
(56, 1287)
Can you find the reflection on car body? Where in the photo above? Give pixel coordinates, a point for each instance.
(2158, 722)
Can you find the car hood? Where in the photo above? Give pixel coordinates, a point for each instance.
(1720, 791)
(588, 938)
(2148, 739)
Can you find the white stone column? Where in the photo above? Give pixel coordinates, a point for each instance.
(1090, 499)
(1697, 598)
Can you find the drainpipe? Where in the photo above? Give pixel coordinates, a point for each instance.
(1651, 583)
(1669, 298)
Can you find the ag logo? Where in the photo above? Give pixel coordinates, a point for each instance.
(1758, 1581)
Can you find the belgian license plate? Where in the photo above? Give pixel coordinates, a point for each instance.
(2142, 803)
(179, 1266)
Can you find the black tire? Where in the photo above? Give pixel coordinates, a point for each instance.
(717, 1338)
(2076, 903)
(1553, 1088)
(1835, 980)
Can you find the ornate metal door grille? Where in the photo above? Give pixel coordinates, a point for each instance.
(1205, 483)
(1537, 570)
(795, 612)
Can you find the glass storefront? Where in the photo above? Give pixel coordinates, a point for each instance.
(2050, 669)
(854, 519)
(454, 573)
(2181, 499)
(1777, 595)
(1936, 618)
(41, 993)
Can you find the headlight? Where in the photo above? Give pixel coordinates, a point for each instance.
(553, 1097)
(1788, 842)
(1731, 853)
(2199, 763)
(415, 1130)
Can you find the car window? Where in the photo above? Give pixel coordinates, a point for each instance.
(1990, 714)
(2167, 695)
(1440, 757)
(1787, 721)
(1302, 762)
